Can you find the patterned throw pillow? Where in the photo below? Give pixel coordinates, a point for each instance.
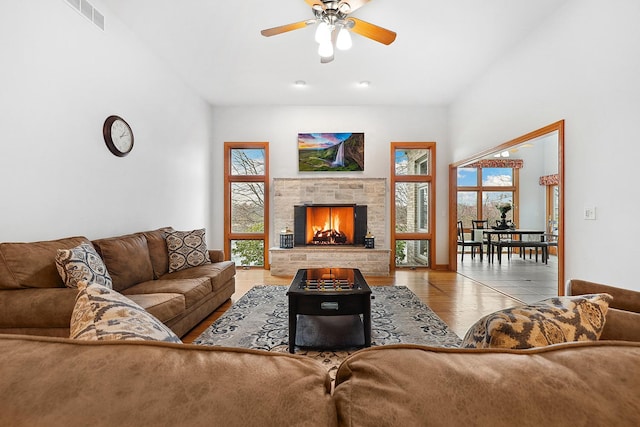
(187, 249)
(551, 321)
(101, 314)
(82, 263)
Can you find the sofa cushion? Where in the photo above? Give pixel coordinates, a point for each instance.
(127, 259)
(219, 273)
(37, 308)
(187, 249)
(194, 290)
(145, 383)
(32, 265)
(157, 243)
(163, 307)
(551, 321)
(573, 384)
(82, 263)
(101, 313)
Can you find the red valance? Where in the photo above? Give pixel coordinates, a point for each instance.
(549, 180)
(498, 163)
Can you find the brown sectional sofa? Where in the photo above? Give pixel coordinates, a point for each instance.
(47, 381)
(577, 384)
(34, 300)
(50, 381)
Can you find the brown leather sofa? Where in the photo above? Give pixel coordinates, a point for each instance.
(583, 383)
(49, 381)
(34, 300)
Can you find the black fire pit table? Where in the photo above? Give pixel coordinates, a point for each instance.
(329, 308)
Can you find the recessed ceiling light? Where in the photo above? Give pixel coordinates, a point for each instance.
(364, 83)
(300, 83)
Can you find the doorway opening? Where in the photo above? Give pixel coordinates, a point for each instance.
(534, 205)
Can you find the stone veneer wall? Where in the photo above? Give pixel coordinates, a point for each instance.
(372, 192)
(370, 262)
(288, 192)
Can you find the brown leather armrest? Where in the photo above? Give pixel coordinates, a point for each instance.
(621, 325)
(216, 255)
(623, 299)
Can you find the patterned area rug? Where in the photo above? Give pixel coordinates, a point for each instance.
(260, 320)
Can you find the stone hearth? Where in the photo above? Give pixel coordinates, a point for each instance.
(371, 262)
(288, 192)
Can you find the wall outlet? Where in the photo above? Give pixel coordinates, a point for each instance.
(590, 212)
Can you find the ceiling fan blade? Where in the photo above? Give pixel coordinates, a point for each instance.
(372, 31)
(354, 4)
(285, 28)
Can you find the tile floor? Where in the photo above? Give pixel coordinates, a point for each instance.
(521, 278)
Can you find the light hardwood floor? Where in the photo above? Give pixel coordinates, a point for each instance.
(457, 299)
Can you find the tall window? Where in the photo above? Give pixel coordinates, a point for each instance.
(412, 196)
(482, 190)
(246, 202)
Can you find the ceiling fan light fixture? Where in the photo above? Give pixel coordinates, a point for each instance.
(334, 24)
(344, 41)
(323, 33)
(344, 7)
(325, 49)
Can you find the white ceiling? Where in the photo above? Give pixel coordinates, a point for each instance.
(442, 46)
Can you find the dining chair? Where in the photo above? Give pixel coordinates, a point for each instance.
(504, 240)
(480, 224)
(536, 242)
(550, 237)
(473, 244)
(551, 240)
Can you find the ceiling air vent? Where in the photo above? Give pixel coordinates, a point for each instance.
(87, 10)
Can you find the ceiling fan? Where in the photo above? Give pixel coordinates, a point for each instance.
(334, 24)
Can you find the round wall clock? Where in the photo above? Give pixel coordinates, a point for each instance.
(117, 135)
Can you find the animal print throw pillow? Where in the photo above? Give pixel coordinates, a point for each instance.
(551, 321)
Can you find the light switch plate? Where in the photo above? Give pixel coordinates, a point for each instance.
(590, 212)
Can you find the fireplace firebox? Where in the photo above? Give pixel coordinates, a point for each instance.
(323, 224)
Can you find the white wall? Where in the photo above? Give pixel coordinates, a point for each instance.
(532, 194)
(582, 66)
(60, 77)
(381, 125)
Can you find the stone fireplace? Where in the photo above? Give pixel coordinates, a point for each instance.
(365, 199)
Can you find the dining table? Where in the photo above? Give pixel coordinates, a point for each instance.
(515, 233)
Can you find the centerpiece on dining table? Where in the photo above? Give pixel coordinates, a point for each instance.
(502, 224)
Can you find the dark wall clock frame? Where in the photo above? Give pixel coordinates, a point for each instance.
(118, 136)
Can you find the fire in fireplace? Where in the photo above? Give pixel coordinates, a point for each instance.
(330, 224)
